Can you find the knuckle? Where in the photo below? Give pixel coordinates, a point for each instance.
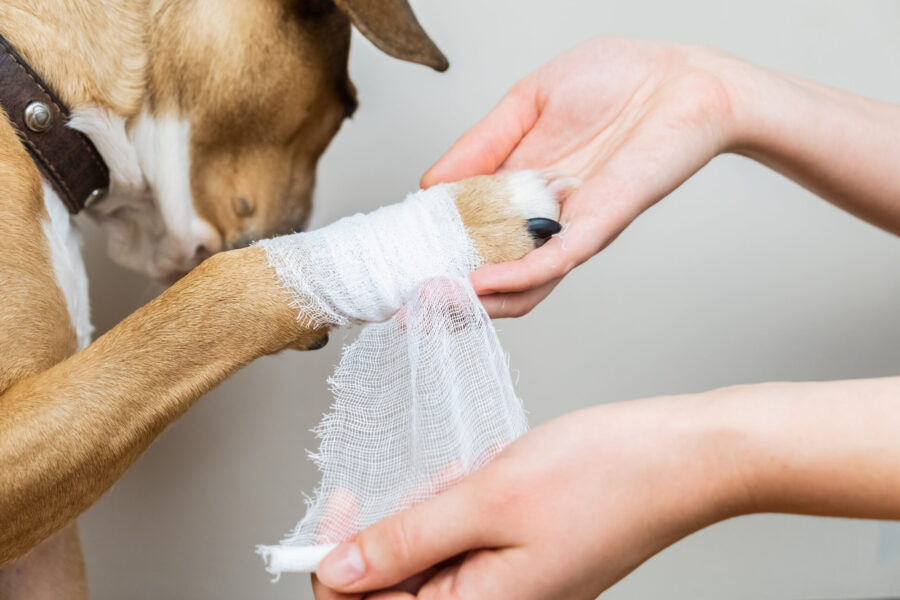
(398, 542)
(558, 269)
(446, 589)
(434, 593)
(567, 267)
(521, 309)
(502, 491)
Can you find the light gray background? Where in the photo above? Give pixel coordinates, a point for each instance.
(740, 276)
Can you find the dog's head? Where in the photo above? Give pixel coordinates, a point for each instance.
(243, 98)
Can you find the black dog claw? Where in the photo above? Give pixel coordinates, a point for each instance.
(320, 343)
(542, 229)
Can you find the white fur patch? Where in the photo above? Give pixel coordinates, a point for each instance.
(149, 213)
(535, 193)
(64, 241)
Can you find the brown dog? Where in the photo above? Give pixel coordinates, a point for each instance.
(211, 117)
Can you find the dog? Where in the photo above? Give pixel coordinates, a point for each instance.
(211, 117)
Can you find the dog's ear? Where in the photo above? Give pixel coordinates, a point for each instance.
(394, 29)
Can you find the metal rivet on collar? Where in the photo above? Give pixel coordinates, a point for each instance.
(38, 117)
(95, 197)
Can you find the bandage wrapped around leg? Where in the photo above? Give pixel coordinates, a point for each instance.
(423, 396)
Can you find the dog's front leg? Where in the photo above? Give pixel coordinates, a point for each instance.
(67, 433)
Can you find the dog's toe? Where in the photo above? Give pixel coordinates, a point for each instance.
(509, 214)
(536, 196)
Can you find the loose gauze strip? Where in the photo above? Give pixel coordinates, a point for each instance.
(423, 396)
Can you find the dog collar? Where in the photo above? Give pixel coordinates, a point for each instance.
(65, 156)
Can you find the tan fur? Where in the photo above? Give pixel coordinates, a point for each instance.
(149, 369)
(264, 90)
(500, 232)
(104, 45)
(35, 331)
(263, 87)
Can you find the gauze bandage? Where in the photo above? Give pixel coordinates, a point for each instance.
(423, 396)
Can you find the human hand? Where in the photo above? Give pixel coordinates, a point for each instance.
(575, 505)
(562, 513)
(632, 120)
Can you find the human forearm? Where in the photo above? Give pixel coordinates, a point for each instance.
(839, 145)
(576, 504)
(820, 448)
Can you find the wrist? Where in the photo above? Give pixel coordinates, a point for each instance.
(688, 453)
(742, 426)
(771, 111)
(243, 295)
(748, 90)
(723, 449)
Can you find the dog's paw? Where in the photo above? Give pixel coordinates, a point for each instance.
(509, 214)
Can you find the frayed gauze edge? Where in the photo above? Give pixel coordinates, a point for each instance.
(392, 440)
(293, 559)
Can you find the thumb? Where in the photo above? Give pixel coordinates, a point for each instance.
(484, 147)
(400, 546)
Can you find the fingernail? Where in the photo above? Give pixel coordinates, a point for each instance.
(342, 566)
(542, 229)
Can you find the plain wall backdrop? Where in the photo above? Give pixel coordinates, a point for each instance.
(740, 276)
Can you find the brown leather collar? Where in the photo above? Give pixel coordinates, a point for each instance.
(65, 156)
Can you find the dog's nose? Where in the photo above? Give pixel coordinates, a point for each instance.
(206, 239)
(201, 253)
(203, 243)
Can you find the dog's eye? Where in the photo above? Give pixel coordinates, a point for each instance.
(242, 206)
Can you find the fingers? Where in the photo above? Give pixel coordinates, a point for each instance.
(402, 591)
(340, 517)
(513, 289)
(590, 222)
(587, 227)
(517, 304)
(407, 543)
(320, 592)
(490, 574)
(390, 595)
(535, 269)
(484, 147)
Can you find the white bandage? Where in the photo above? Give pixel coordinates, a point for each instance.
(363, 268)
(423, 396)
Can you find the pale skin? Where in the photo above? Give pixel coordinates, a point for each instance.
(262, 87)
(578, 503)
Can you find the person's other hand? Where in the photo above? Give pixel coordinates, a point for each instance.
(575, 505)
(632, 120)
(562, 513)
